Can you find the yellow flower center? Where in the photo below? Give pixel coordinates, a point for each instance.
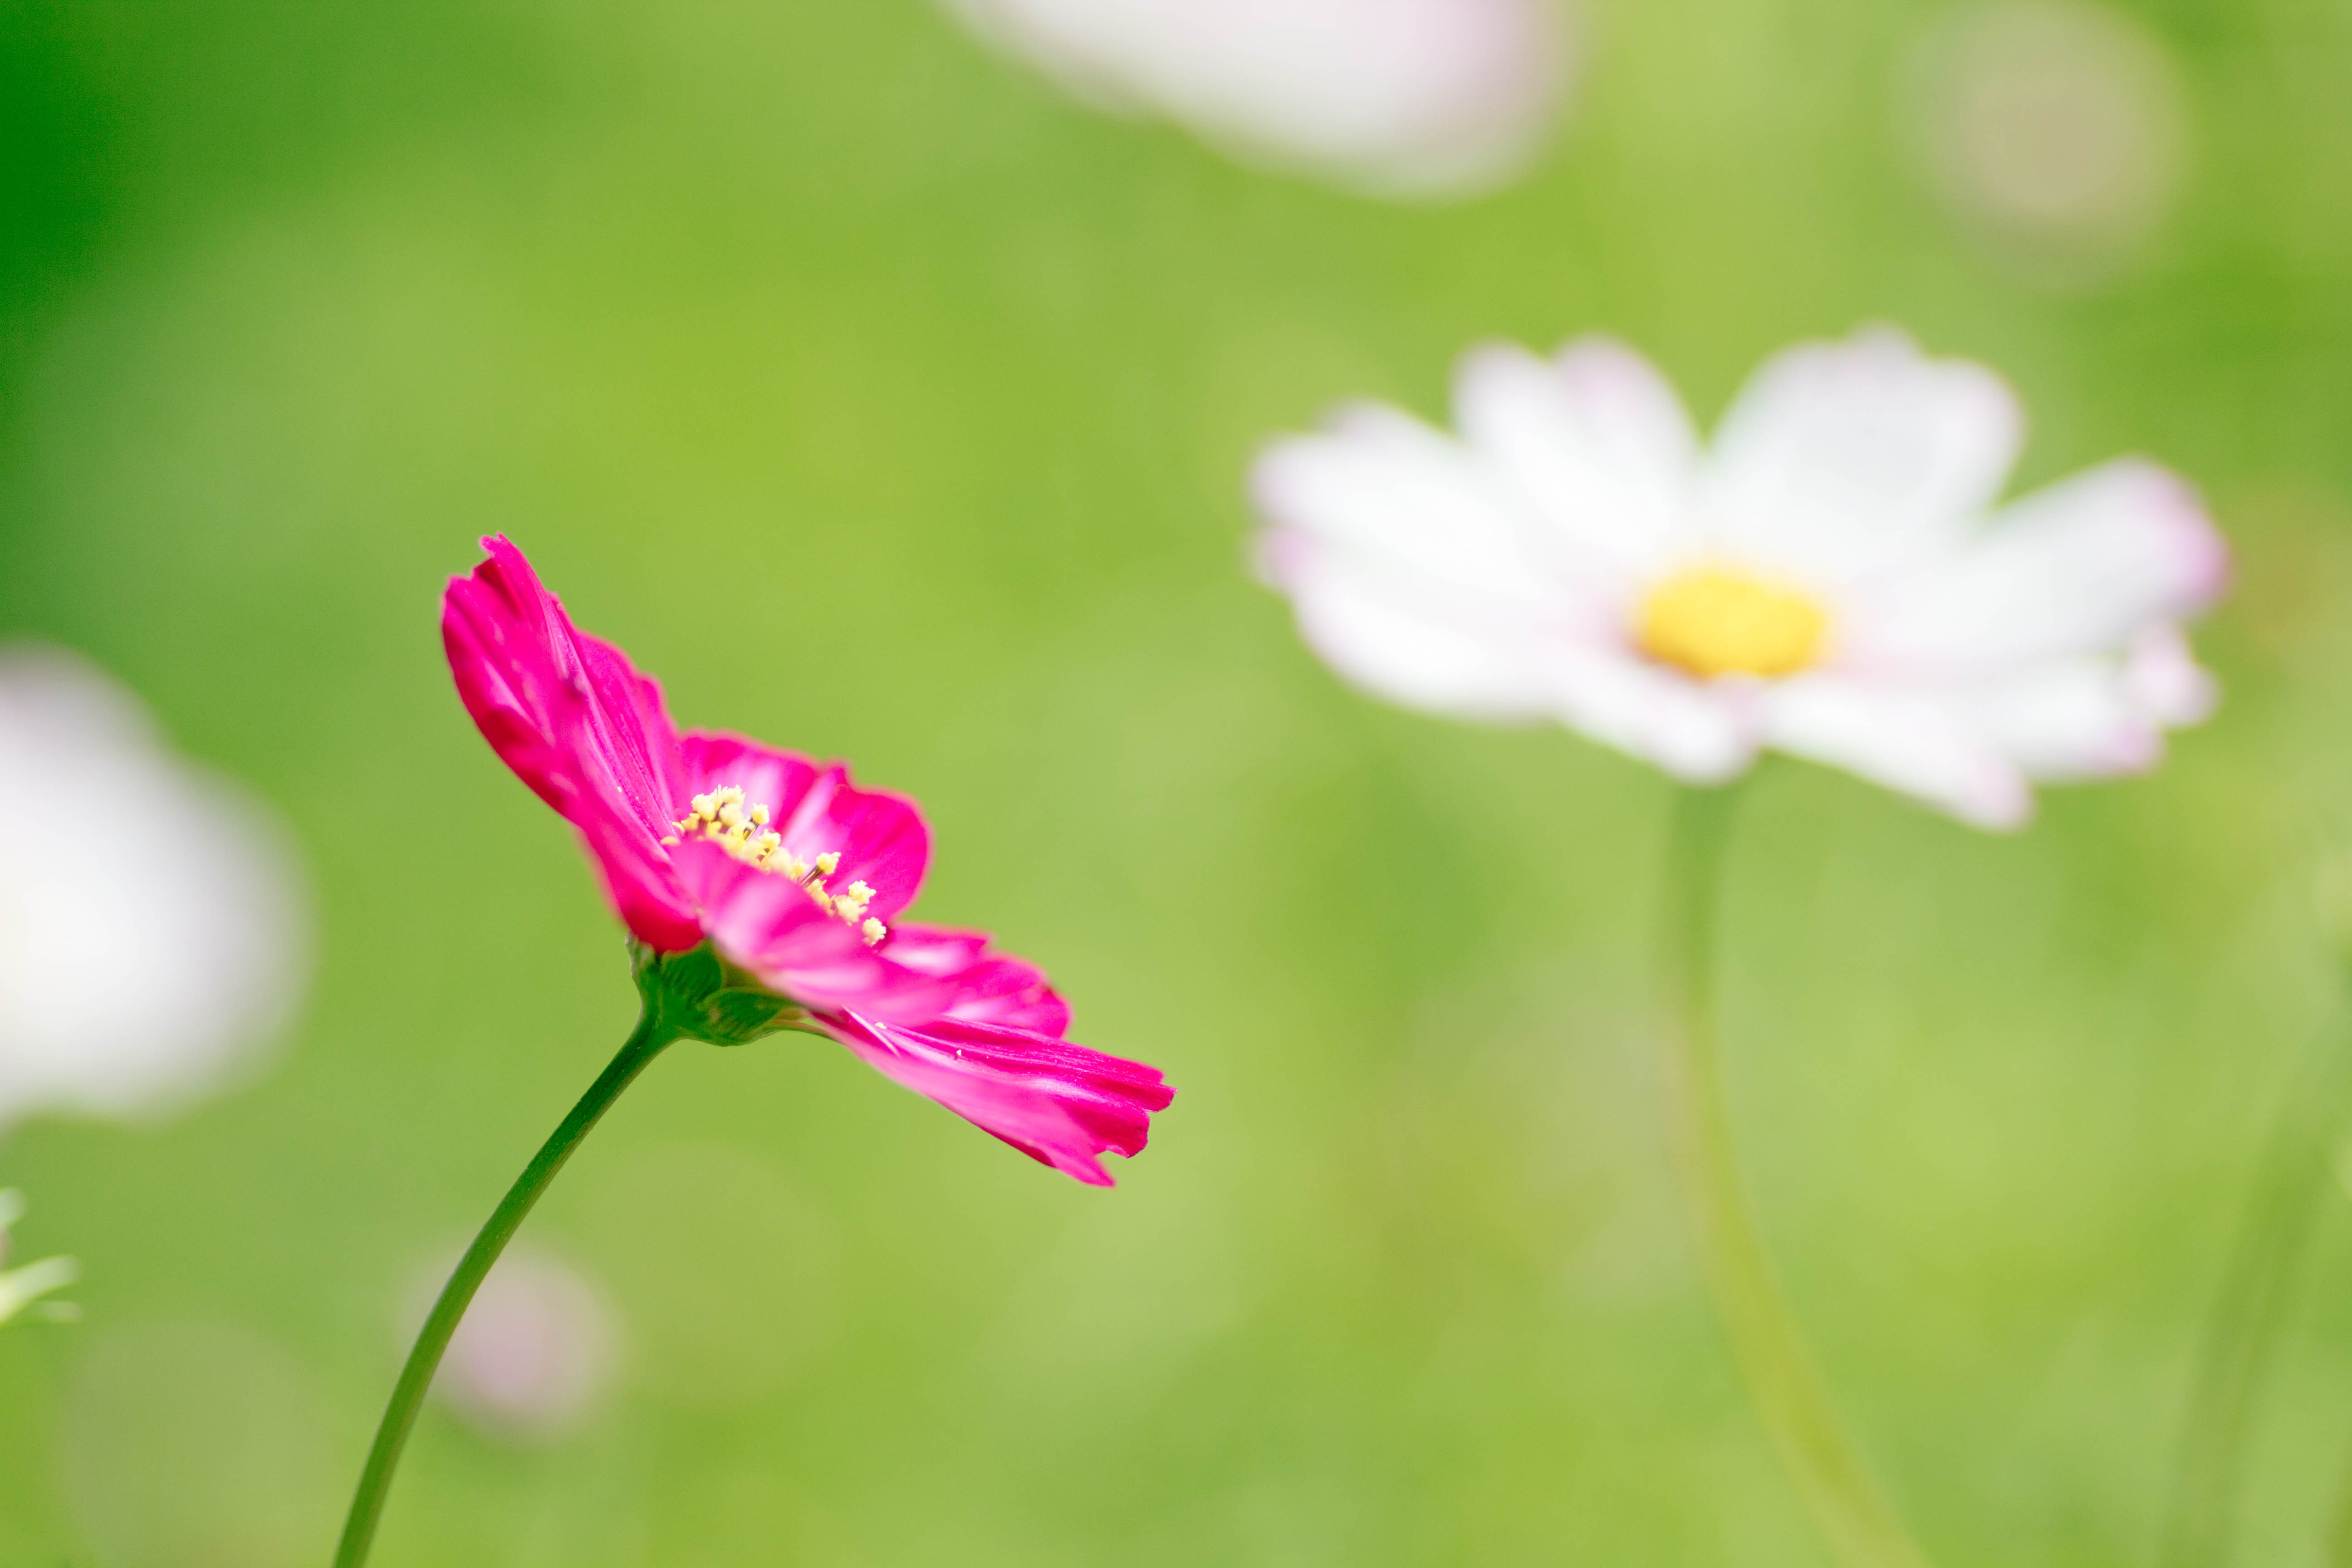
(1719, 620)
(725, 819)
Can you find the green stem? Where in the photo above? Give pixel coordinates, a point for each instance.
(653, 1032)
(1788, 1392)
(2338, 1550)
(2256, 1285)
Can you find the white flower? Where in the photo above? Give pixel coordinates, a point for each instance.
(151, 932)
(532, 1351)
(1396, 97)
(1827, 577)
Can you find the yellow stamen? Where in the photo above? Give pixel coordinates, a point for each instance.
(852, 902)
(1721, 620)
(741, 828)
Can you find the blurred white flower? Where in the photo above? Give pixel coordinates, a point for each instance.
(1823, 579)
(2055, 128)
(1393, 97)
(152, 936)
(21, 1289)
(532, 1352)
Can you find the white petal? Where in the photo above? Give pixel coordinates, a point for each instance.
(1451, 653)
(1839, 459)
(2084, 565)
(2071, 719)
(150, 953)
(1447, 652)
(1597, 439)
(2093, 716)
(1901, 739)
(1395, 95)
(1388, 491)
(2164, 680)
(1699, 733)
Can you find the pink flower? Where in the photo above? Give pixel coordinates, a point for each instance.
(795, 877)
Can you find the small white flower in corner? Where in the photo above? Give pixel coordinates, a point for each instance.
(152, 929)
(21, 1289)
(1829, 576)
(1391, 97)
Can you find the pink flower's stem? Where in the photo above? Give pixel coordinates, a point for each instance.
(653, 1032)
(1787, 1391)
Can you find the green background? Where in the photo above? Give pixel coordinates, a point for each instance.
(890, 406)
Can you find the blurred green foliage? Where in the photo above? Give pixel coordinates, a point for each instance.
(890, 406)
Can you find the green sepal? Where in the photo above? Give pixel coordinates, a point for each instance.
(699, 995)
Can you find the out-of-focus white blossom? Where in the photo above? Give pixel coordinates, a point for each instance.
(2055, 128)
(152, 931)
(1828, 577)
(1391, 97)
(21, 1289)
(534, 1351)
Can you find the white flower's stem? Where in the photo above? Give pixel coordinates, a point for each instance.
(2257, 1284)
(2337, 1552)
(1787, 1391)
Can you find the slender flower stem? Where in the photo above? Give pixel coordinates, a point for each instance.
(2255, 1286)
(653, 1032)
(1790, 1397)
(2338, 1550)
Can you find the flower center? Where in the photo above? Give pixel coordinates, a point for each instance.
(1718, 620)
(723, 817)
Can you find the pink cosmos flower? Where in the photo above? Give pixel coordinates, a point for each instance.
(795, 877)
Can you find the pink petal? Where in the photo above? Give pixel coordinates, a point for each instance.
(578, 724)
(990, 988)
(768, 924)
(1838, 460)
(1061, 1104)
(640, 879)
(881, 838)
